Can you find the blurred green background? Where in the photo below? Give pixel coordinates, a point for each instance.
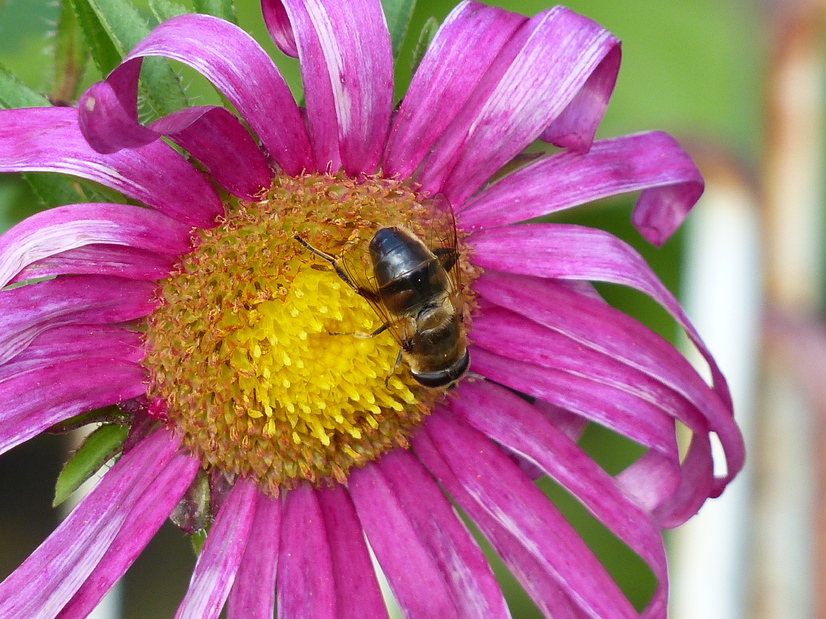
(690, 67)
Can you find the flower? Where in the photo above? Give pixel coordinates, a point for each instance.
(231, 346)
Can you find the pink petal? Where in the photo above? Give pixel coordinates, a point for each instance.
(652, 163)
(576, 126)
(502, 491)
(652, 482)
(545, 591)
(237, 65)
(609, 406)
(512, 422)
(216, 138)
(572, 425)
(67, 227)
(306, 582)
(445, 80)
(109, 120)
(27, 311)
(572, 252)
(253, 592)
(28, 408)
(221, 555)
(697, 483)
(598, 327)
(470, 581)
(54, 572)
(278, 24)
(140, 526)
(49, 140)
(358, 595)
(347, 67)
(535, 77)
(76, 342)
(109, 260)
(415, 577)
(510, 335)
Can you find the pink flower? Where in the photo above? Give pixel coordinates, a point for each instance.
(120, 299)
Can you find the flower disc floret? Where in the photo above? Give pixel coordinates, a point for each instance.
(259, 348)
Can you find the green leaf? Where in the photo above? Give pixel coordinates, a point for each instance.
(429, 30)
(104, 53)
(106, 415)
(225, 9)
(398, 14)
(198, 540)
(53, 189)
(98, 448)
(166, 9)
(70, 57)
(14, 93)
(115, 26)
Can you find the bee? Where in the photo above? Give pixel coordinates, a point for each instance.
(414, 288)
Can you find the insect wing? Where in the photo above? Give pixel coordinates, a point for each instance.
(356, 263)
(440, 237)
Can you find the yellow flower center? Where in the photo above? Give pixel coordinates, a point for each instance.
(258, 349)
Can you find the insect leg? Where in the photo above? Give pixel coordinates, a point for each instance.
(339, 271)
(381, 329)
(395, 368)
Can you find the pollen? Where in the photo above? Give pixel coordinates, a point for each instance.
(266, 359)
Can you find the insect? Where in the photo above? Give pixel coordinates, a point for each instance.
(414, 287)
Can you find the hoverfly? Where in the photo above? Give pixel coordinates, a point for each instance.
(414, 288)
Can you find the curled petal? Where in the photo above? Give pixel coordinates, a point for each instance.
(347, 67)
(414, 576)
(697, 482)
(532, 81)
(49, 140)
(652, 163)
(53, 573)
(211, 134)
(27, 311)
(576, 126)
(67, 227)
(141, 524)
(599, 327)
(278, 24)
(221, 555)
(445, 80)
(235, 63)
(306, 582)
(253, 592)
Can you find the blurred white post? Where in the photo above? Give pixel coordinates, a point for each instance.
(786, 567)
(721, 293)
